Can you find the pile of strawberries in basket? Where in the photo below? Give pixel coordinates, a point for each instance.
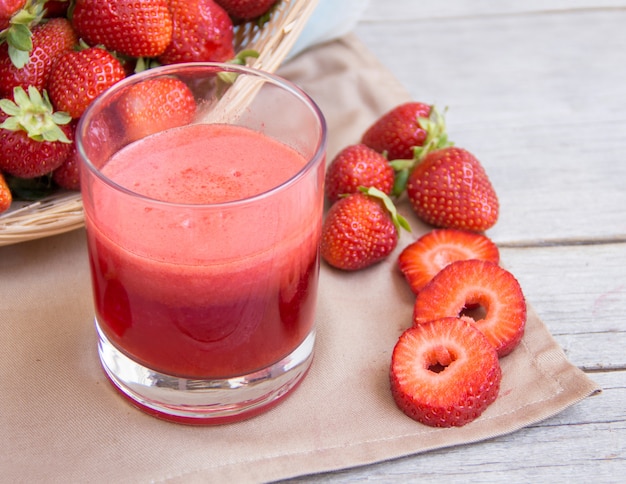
(469, 311)
(56, 56)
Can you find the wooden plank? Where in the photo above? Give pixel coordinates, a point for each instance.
(584, 442)
(410, 10)
(579, 293)
(536, 90)
(537, 98)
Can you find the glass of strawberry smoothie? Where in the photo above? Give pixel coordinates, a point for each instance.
(203, 197)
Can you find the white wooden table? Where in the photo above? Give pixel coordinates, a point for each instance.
(537, 90)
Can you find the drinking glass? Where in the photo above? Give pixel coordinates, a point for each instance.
(203, 241)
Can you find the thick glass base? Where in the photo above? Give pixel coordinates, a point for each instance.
(204, 402)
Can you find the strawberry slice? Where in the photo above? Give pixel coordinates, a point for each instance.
(424, 258)
(500, 312)
(444, 373)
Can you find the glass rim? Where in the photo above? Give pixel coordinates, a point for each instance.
(317, 156)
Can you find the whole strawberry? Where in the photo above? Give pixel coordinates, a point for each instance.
(203, 32)
(155, 105)
(17, 19)
(398, 131)
(67, 175)
(78, 77)
(360, 230)
(6, 197)
(355, 166)
(246, 9)
(450, 188)
(56, 8)
(8, 8)
(50, 40)
(129, 27)
(34, 140)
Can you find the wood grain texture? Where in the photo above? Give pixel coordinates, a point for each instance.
(537, 90)
(538, 97)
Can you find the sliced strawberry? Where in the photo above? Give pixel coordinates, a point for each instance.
(424, 258)
(480, 283)
(444, 373)
(355, 166)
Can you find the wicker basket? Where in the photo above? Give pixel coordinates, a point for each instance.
(63, 211)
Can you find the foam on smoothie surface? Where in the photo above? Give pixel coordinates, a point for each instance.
(204, 163)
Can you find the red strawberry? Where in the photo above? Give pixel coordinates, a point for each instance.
(398, 131)
(355, 166)
(56, 8)
(203, 31)
(155, 105)
(67, 175)
(137, 29)
(5, 195)
(50, 40)
(424, 258)
(450, 188)
(16, 20)
(360, 230)
(34, 140)
(8, 8)
(481, 283)
(444, 373)
(246, 9)
(78, 77)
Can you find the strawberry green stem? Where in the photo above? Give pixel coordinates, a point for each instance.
(240, 59)
(436, 138)
(398, 220)
(32, 112)
(18, 35)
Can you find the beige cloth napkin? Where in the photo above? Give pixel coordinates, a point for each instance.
(61, 421)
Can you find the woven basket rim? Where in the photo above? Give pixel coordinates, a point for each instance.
(63, 211)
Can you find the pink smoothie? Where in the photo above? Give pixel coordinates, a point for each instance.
(200, 290)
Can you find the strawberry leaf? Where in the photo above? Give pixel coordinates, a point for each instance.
(33, 113)
(400, 181)
(19, 58)
(20, 37)
(436, 138)
(242, 57)
(398, 220)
